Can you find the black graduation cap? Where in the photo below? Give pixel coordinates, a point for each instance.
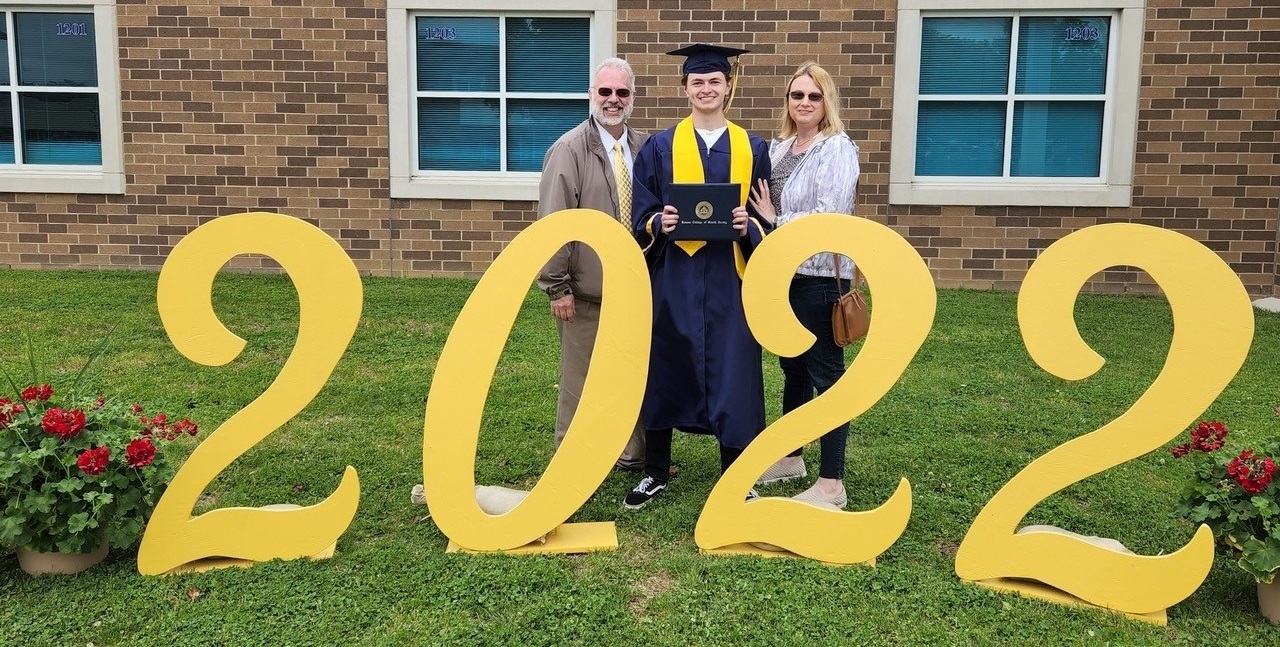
(703, 58)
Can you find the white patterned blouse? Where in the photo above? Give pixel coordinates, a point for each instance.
(824, 181)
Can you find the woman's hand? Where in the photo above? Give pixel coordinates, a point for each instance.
(761, 202)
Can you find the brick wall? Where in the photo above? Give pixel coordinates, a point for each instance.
(1208, 158)
(281, 105)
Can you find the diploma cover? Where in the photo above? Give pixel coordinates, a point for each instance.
(706, 211)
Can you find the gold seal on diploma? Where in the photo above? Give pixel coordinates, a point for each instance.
(704, 210)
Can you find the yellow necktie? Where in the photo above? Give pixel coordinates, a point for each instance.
(623, 179)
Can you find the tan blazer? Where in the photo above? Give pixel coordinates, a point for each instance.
(576, 174)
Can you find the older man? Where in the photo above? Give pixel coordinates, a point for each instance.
(589, 167)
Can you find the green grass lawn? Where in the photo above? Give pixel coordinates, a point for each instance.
(969, 413)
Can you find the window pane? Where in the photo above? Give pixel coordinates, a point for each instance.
(965, 55)
(6, 129)
(1062, 55)
(457, 54)
(1057, 138)
(533, 125)
(458, 134)
(960, 138)
(56, 49)
(4, 51)
(548, 55)
(61, 129)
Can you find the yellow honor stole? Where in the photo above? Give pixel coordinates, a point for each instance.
(687, 169)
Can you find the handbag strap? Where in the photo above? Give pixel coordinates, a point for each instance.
(857, 274)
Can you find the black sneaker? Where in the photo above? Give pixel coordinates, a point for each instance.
(649, 487)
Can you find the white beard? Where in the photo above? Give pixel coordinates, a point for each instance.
(598, 114)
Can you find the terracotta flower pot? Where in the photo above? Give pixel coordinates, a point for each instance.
(36, 563)
(1269, 601)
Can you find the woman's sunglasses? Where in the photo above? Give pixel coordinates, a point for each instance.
(814, 97)
(605, 92)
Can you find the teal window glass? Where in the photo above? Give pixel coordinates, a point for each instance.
(4, 52)
(960, 138)
(533, 125)
(6, 129)
(1062, 55)
(548, 54)
(457, 53)
(494, 92)
(61, 128)
(965, 55)
(1042, 135)
(458, 134)
(1056, 138)
(56, 49)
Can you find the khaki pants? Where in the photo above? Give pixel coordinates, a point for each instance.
(577, 339)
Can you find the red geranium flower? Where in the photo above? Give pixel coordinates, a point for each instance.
(140, 453)
(7, 409)
(1179, 451)
(1253, 473)
(158, 427)
(1208, 436)
(41, 392)
(136, 409)
(94, 461)
(185, 426)
(63, 424)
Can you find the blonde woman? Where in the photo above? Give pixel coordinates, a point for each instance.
(815, 170)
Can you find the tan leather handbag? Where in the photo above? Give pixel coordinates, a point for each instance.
(849, 317)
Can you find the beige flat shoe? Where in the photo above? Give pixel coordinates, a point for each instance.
(779, 473)
(815, 496)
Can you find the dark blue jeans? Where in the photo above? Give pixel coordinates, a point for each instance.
(818, 368)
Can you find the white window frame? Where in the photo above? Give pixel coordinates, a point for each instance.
(1113, 187)
(109, 177)
(407, 181)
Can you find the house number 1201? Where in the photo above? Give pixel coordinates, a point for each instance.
(71, 29)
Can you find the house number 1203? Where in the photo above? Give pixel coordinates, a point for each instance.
(1213, 328)
(1089, 32)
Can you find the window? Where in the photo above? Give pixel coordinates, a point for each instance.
(477, 97)
(59, 103)
(1011, 107)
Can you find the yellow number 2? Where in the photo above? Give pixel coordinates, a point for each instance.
(329, 300)
(1212, 330)
(905, 301)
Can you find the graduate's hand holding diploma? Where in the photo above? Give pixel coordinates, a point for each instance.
(669, 218)
(740, 220)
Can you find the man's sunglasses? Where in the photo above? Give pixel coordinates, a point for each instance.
(605, 92)
(814, 97)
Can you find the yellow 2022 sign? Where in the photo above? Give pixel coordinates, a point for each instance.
(1206, 298)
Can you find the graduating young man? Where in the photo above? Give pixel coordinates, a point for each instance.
(705, 373)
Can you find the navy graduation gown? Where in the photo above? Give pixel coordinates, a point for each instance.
(705, 372)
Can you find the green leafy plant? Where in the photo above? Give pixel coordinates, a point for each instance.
(1236, 493)
(76, 469)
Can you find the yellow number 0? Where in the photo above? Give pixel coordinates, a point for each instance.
(905, 301)
(1212, 330)
(329, 300)
(606, 414)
